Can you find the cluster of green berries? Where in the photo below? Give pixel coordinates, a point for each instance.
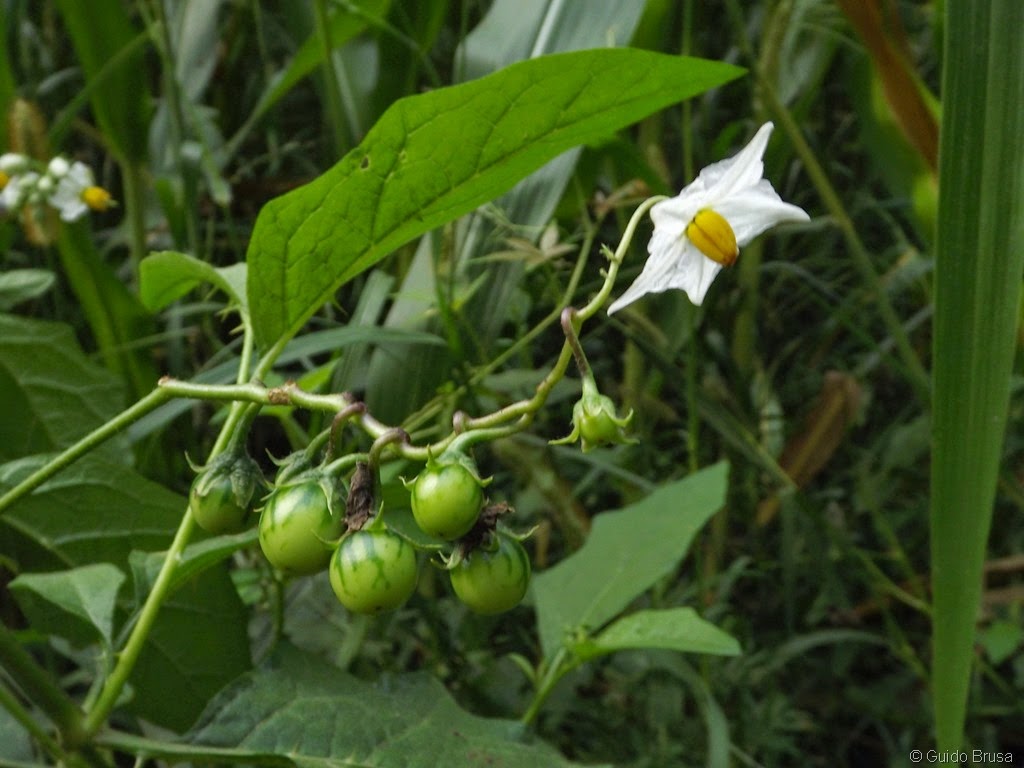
(305, 526)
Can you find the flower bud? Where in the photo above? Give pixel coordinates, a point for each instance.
(594, 421)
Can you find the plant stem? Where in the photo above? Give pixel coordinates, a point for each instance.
(130, 653)
(558, 668)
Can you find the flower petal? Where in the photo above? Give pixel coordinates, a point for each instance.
(674, 263)
(752, 211)
(743, 170)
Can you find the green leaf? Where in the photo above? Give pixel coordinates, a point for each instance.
(673, 629)
(166, 276)
(198, 645)
(20, 285)
(52, 394)
(299, 707)
(979, 259)
(194, 560)
(96, 511)
(626, 552)
(77, 604)
(435, 156)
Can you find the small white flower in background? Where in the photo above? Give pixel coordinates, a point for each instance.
(19, 190)
(77, 192)
(58, 167)
(11, 164)
(702, 229)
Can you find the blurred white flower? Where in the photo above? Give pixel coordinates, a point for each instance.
(702, 229)
(19, 190)
(77, 192)
(58, 167)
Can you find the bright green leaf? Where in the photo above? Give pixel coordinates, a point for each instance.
(301, 708)
(673, 629)
(435, 156)
(626, 552)
(77, 604)
(51, 393)
(166, 276)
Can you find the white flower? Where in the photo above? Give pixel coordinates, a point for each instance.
(701, 230)
(58, 167)
(77, 192)
(12, 163)
(18, 190)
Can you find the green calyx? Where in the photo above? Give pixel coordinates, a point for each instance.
(595, 422)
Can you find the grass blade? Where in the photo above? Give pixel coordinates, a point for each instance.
(979, 258)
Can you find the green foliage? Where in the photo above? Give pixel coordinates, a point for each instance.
(100, 31)
(407, 177)
(309, 712)
(624, 555)
(76, 604)
(52, 393)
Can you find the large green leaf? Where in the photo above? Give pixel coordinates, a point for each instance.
(435, 156)
(96, 511)
(298, 707)
(512, 30)
(626, 552)
(52, 394)
(77, 604)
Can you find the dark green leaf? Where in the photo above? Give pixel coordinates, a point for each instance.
(674, 629)
(99, 512)
(194, 560)
(20, 285)
(435, 156)
(77, 604)
(51, 394)
(299, 707)
(626, 552)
